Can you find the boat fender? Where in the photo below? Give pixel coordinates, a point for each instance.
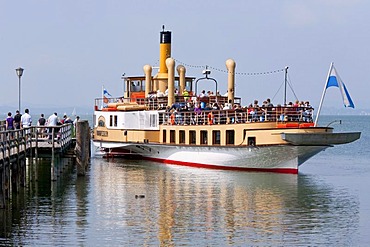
(210, 118)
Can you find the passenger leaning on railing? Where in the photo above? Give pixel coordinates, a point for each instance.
(41, 122)
(9, 122)
(52, 121)
(307, 113)
(17, 120)
(26, 119)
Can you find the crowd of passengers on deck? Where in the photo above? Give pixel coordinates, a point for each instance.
(210, 108)
(199, 110)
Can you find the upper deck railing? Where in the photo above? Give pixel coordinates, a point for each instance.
(180, 113)
(238, 116)
(160, 103)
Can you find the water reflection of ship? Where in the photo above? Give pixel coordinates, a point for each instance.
(183, 202)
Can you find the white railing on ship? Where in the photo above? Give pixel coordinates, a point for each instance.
(241, 115)
(160, 103)
(237, 116)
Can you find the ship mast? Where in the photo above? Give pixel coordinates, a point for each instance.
(285, 83)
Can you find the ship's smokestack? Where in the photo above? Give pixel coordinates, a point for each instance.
(164, 53)
(164, 50)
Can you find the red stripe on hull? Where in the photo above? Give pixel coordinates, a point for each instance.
(182, 163)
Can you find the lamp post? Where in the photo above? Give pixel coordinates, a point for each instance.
(19, 74)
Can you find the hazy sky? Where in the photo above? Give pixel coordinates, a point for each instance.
(69, 49)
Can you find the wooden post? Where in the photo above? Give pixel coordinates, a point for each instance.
(15, 175)
(22, 172)
(82, 146)
(2, 186)
(53, 168)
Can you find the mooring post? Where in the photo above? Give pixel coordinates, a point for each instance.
(82, 149)
(2, 187)
(52, 168)
(22, 172)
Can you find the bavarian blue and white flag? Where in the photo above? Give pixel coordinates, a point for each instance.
(105, 95)
(335, 81)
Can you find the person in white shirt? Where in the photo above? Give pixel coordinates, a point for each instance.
(52, 121)
(75, 124)
(26, 119)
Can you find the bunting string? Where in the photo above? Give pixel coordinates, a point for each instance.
(225, 71)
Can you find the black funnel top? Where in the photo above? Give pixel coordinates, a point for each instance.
(165, 37)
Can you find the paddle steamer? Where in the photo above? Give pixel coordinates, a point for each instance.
(149, 123)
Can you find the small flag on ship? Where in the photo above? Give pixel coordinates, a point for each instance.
(105, 95)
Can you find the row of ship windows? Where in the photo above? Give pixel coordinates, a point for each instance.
(113, 121)
(204, 138)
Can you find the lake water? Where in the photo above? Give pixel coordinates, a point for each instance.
(139, 203)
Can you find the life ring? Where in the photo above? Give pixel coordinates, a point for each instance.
(210, 118)
(172, 119)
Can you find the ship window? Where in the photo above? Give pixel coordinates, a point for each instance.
(188, 84)
(192, 137)
(216, 137)
(203, 137)
(115, 120)
(182, 136)
(251, 141)
(172, 136)
(153, 120)
(135, 86)
(164, 140)
(101, 123)
(110, 120)
(177, 84)
(230, 137)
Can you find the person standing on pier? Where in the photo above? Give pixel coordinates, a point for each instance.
(17, 120)
(9, 123)
(41, 122)
(75, 124)
(26, 119)
(52, 121)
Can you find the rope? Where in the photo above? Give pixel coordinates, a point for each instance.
(225, 71)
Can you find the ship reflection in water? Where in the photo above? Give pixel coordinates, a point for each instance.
(150, 203)
(140, 203)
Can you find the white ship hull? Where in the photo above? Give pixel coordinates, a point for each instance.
(275, 158)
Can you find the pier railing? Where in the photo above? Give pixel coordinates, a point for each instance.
(55, 138)
(54, 142)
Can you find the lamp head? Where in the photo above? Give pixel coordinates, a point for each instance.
(19, 71)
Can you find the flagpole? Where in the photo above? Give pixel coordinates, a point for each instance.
(102, 97)
(323, 94)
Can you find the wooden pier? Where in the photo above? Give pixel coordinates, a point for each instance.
(19, 147)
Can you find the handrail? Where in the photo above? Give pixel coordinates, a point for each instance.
(15, 141)
(242, 115)
(160, 103)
